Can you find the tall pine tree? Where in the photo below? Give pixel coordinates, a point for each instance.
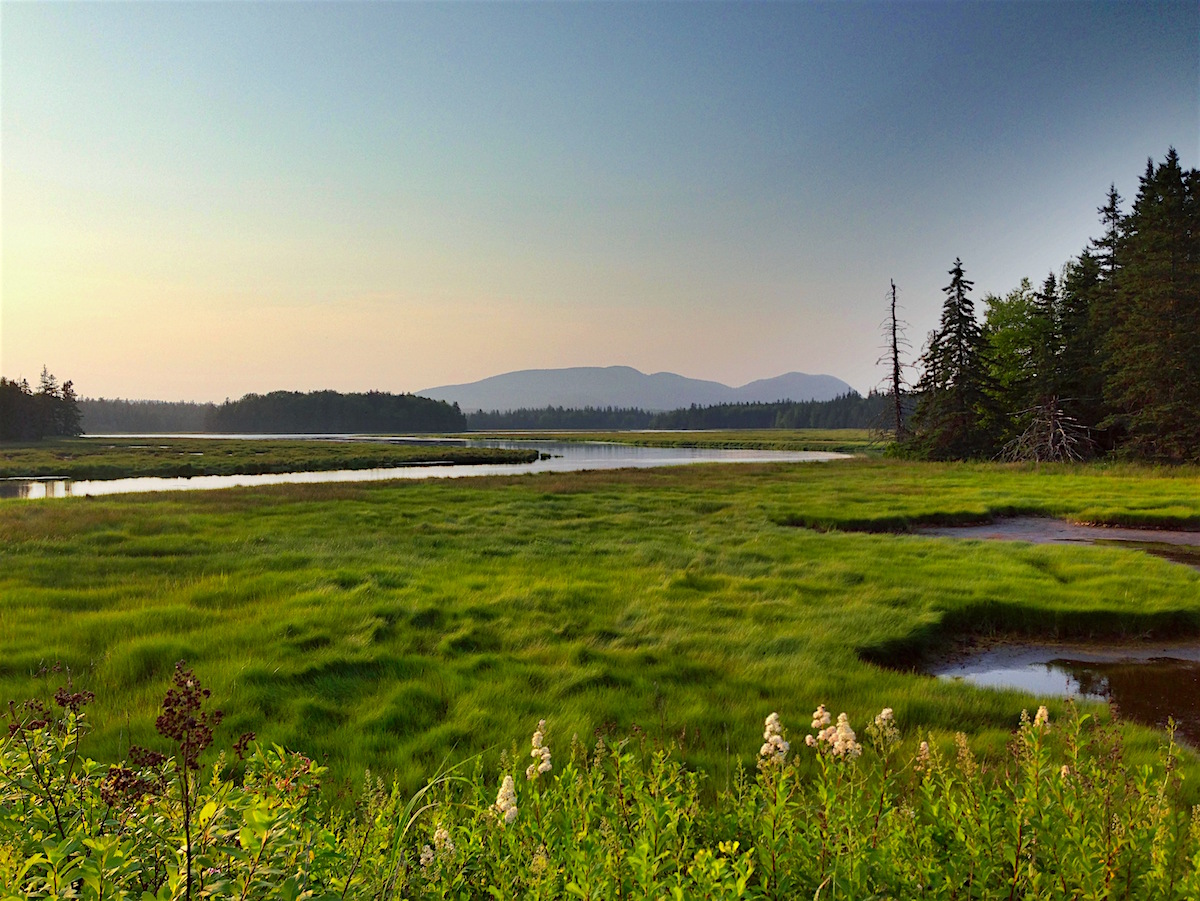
(1153, 335)
(1080, 375)
(956, 416)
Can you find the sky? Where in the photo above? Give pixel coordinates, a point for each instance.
(201, 200)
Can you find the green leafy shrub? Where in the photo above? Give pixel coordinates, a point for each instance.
(1061, 817)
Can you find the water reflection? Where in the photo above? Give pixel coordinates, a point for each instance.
(34, 489)
(556, 456)
(1148, 685)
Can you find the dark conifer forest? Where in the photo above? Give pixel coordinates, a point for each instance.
(102, 415)
(1103, 356)
(52, 411)
(283, 412)
(850, 411)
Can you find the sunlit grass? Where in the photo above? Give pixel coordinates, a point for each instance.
(387, 624)
(118, 458)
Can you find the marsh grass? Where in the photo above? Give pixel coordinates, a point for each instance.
(387, 625)
(119, 458)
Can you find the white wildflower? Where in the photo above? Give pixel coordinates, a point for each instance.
(540, 753)
(839, 739)
(426, 857)
(442, 842)
(844, 743)
(506, 801)
(1042, 719)
(883, 731)
(923, 758)
(1065, 772)
(820, 718)
(775, 748)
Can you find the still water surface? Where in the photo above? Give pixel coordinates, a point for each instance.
(1149, 684)
(557, 456)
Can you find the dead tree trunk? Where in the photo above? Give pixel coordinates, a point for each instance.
(897, 384)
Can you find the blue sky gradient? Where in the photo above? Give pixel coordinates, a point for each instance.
(205, 199)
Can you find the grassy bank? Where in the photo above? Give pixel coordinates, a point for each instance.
(108, 458)
(846, 441)
(391, 624)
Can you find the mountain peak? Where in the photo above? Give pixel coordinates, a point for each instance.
(624, 386)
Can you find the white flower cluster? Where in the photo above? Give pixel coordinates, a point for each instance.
(442, 847)
(540, 753)
(924, 758)
(1042, 719)
(821, 717)
(775, 748)
(506, 801)
(884, 732)
(840, 739)
(844, 743)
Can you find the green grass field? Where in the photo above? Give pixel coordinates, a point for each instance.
(119, 458)
(391, 624)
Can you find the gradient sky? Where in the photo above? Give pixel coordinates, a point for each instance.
(201, 200)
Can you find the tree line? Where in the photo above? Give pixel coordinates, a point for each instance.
(1103, 356)
(848, 411)
(52, 411)
(282, 412)
(851, 410)
(104, 415)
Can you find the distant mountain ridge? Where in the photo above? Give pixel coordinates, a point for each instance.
(624, 386)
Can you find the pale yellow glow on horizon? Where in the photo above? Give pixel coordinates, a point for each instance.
(126, 304)
(141, 341)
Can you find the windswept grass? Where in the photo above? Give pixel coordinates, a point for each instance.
(388, 624)
(111, 458)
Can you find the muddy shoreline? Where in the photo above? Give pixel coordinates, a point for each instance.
(1175, 545)
(1047, 530)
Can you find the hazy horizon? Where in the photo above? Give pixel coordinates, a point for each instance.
(202, 200)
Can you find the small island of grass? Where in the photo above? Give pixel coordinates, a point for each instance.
(174, 457)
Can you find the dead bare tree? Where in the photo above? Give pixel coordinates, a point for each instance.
(1051, 437)
(893, 329)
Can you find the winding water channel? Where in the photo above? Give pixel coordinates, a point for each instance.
(556, 456)
(1148, 683)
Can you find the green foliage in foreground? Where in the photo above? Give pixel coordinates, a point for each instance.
(389, 625)
(107, 458)
(1062, 817)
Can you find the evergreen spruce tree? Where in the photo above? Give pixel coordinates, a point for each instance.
(70, 417)
(1107, 247)
(1153, 335)
(1046, 332)
(956, 415)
